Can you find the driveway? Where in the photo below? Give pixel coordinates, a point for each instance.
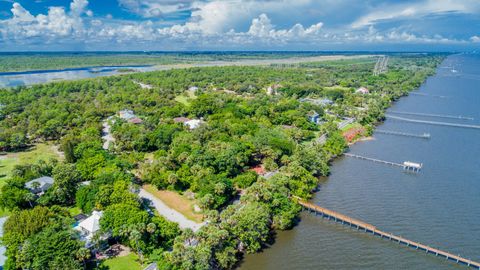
(170, 213)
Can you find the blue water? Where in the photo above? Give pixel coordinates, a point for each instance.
(2, 248)
(440, 206)
(12, 79)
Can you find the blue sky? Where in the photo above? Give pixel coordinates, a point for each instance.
(49, 25)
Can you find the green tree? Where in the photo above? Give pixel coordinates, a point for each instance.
(250, 224)
(117, 217)
(51, 245)
(83, 254)
(66, 178)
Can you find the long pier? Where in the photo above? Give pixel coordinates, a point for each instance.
(432, 122)
(427, 95)
(389, 132)
(407, 165)
(369, 228)
(434, 115)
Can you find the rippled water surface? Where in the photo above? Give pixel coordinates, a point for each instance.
(439, 207)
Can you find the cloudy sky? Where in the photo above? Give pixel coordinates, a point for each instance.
(239, 25)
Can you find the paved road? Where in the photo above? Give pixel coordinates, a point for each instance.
(169, 213)
(107, 136)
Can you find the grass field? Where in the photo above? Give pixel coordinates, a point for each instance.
(129, 262)
(185, 98)
(35, 153)
(176, 201)
(352, 125)
(32, 155)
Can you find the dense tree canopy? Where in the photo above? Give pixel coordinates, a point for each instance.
(252, 153)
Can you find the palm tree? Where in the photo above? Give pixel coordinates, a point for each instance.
(151, 227)
(83, 254)
(96, 239)
(29, 197)
(35, 185)
(135, 236)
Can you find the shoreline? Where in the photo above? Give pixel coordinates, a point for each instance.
(164, 67)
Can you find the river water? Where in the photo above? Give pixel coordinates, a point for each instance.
(440, 206)
(2, 248)
(12, 79)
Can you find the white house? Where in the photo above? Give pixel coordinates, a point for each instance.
(143, 85)
(194, 123)
(272, 90)
(129, 116)
(88, 227)
(362, 90)
(44, 183)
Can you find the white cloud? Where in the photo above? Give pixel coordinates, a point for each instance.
(55, 23)
(216, 24)
(77, 7)
(155, 8)
(262, 27)
(419, 9)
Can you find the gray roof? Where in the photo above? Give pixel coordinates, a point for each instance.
(152, 266)
(44, 181)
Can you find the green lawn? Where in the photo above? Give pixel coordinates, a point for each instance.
(129, 262)
(74, 211)
(185, 98)
(35, 153)
(352, 125)
(182, 99)
(32, 155)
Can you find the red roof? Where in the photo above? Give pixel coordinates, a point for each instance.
(350, 134)
(180, 119)
(259, 170)
(135, 120)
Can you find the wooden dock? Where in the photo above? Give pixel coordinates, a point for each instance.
(432, 122)
(389, 132)
(407, 165)
(426, 95)
(368, 228)
(434, 115)
(374, 160)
